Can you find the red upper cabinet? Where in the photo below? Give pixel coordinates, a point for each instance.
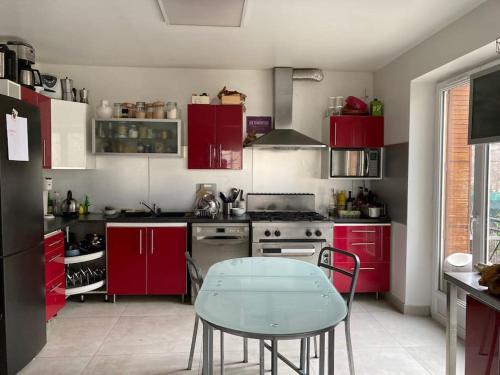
(43, 104)
(167, 260)
(215, 136)
(356, 131)
(126, 252)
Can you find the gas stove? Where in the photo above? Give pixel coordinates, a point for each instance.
(286, 225)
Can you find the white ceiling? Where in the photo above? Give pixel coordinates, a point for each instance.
(330, 34)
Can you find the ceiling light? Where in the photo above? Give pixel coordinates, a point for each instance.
(221, 13)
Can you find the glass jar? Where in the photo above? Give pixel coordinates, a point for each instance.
(117, 110)
(133, 132)
(158, 110)
(140, 110)
(149, 110)
(172, 110)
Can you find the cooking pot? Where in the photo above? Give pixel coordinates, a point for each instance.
(69, 206)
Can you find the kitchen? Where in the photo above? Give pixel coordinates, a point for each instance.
(115, 182)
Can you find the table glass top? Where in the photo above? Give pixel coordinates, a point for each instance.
(269, 296)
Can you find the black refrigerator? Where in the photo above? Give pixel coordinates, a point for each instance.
(22, 275)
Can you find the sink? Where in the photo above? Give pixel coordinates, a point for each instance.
(137, 214)
(173, 214)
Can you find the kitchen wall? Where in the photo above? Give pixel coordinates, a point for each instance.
(123, 181)
(408, 87)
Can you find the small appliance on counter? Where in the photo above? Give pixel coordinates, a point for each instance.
(69, 206)
(356, 163)
(51, 86)
(206, 203)
(25, 54)
(47, 187)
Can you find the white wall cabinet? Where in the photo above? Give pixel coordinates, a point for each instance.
(70, 132)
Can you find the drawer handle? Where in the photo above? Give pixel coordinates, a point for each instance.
(54, 288)
(363, 231)
(365, 268)
(55, 243)
(362, 243)
(54, 258)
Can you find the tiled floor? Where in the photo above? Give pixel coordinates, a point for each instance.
(140, 335)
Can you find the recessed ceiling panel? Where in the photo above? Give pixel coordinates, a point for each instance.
(225, 13)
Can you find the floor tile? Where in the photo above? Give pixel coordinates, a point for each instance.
(149, 335)
(409, 330)
(92, 307)
(154, 306)
(432, 358)
(76, 337)
(56, 366)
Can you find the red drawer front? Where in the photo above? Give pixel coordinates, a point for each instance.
(373, 277)
(365, 233)
(53, 242)
(377, 250)
(54, 296)
(54, 263)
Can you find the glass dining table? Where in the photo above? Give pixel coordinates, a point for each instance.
(270, 299)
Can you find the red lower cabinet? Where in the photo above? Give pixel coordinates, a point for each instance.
(372, 244)
(146, 259)
(55, 278)
(482, 339)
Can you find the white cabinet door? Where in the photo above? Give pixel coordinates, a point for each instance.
(69, 134)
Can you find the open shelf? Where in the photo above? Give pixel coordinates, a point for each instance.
(84, 258)
(85, 288)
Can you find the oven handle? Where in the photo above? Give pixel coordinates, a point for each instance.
(281, 251)
(225, 240)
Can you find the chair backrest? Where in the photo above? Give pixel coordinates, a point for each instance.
(352, 273)
(195, 275)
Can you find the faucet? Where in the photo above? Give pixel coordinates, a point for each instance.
(152, 209)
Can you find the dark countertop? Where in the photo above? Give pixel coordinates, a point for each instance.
(59, 223)
(362, 220)
(469, 281)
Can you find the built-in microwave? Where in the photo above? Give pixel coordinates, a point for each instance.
(363, 163)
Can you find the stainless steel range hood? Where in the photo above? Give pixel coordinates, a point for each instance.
(283, 136)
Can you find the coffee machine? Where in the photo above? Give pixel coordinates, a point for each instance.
(25, 54)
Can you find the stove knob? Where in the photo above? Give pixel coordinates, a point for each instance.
(318, 232)
(277, 233)
(308, 233)
(267, 233)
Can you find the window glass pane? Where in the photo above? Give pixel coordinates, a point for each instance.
(493, 239)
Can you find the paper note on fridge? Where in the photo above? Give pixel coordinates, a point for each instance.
(17, 138)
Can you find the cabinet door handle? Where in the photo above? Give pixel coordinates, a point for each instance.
(54, 258)
(43, 153)
(140, 241)
(334, 133)
(362, 243)
(54, 288)
(220, 156)
(365, 268)
(152, 241)
(54, 243)
(210, 155)
(363, 231)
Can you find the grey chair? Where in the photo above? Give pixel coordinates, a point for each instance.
(196, 278)
(353, 275)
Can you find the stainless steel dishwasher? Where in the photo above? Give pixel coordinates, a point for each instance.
(215, 242)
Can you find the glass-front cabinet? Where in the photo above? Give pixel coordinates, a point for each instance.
(134, 136)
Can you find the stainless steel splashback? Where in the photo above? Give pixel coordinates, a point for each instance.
(280, 202)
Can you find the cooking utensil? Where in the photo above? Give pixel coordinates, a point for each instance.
(224, 198)
(237, 211)
(209, 203)
(234, 194)
(69, 206)
(374, 211)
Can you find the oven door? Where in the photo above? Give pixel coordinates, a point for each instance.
(305, 251)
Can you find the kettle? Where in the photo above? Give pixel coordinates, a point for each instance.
(69, 207)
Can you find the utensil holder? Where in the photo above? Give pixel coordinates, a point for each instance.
(226, 208)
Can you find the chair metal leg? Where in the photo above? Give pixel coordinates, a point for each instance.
(261, 357)
(322, 354)
(245, 350)
(315, 338)
(331, 351)
(308, 355)
(193, 342)
(207, 350)
(349, 346)
(302, 365)
(221, 353)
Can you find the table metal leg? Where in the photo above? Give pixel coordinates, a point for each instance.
(302, 364)
(207, 349)
(322, 354)
(451, 329)
(315, 338)
(308, 355)
(245, 350)
(274, 357)
(221, 353)
(347, 324)
(261, 357)
(193, 342)
(331, 351)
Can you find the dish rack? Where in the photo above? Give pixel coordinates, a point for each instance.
(201, 212)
